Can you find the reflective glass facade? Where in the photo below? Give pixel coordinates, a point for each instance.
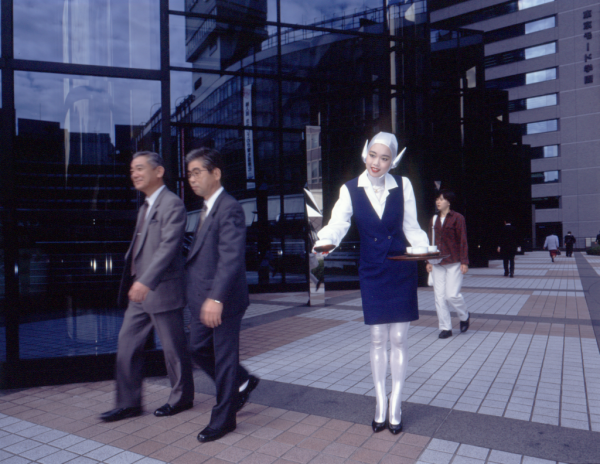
(286, 90)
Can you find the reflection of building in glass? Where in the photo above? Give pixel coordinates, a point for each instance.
(544, 54)
(428, 90)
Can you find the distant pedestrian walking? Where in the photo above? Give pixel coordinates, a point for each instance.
(449, 233)
(551, 244)
(507, 247)
(569, 242)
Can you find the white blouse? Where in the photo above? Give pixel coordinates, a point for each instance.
(334, 232)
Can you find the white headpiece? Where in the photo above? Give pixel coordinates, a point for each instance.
(387, 139)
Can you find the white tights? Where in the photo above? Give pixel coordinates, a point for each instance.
(398, 334)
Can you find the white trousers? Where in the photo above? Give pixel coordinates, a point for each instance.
(398, 335)
(447, 282)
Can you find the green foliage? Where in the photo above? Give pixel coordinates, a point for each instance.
(593, 250)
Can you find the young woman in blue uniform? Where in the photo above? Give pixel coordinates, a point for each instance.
(385, 212)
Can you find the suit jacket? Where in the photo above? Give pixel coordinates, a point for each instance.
(216, 264)
(451, 237)
(508, 242)
(159, 262)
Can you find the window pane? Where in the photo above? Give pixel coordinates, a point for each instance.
(551, 151)
(120, 33)
(524, 4)
(546, 202)
(540, 76)
(540, 25)
(545, 177)
(548, 151)
(540, 50)
(540, 102)
(76, 208)
(541, 126)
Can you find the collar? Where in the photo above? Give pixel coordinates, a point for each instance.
(152, 198)
(450, 213)
(211, 201)
(390, 182)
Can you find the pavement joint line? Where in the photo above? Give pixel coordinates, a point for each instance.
(475, 429)
(590, 283)
(298, 310)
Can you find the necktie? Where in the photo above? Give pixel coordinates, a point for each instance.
(138, 231)
(203, 211)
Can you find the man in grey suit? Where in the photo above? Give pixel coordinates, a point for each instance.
(153, 289)
(217, 291)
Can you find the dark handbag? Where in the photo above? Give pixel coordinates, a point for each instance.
(558, 251)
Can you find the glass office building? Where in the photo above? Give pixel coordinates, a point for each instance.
(288, 91)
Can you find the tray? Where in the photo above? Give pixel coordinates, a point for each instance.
(420, 257)
(324, 248)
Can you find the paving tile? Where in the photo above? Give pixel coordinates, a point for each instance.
(367, 456)
(290, 438)
(466, 460)
(275, 448)
(126, 457)
(501, 457)
(39, 452)
(351, 439)
(233, 454)
(191, 457)
(312, 443)
(60, 457)
(257, 458)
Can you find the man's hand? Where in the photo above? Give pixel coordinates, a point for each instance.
(429, 267)
(464, 268)
(210, 313)
(498, 249)
(138, 292)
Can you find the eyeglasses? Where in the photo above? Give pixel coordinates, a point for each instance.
(195, 173)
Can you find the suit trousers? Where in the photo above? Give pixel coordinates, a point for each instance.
(130, 355)
(217, 352)
(447, 283)
(509, 260)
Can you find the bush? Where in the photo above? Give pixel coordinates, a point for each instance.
(593, 250)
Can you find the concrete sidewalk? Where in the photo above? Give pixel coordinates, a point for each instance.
(521, 386)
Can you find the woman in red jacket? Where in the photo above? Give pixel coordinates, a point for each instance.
(450, 236)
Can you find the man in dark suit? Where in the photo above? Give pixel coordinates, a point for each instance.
(569, 242)
(217, 291)
(507, 247)
(153, 289)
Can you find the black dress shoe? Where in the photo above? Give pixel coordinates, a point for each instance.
(445, 334)
(506, 274)
(121, 413)
(244, 395)
(464, 325)
(209, 434)
(395, 429)
(378, 426)
(168, 410)
(512, 275)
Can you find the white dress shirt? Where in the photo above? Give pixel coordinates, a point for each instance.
(211, 201)
(334, 232)
(152, 198)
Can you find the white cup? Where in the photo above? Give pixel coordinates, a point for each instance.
(419, 250)
(432, 249)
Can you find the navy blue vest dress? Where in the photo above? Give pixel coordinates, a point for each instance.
(388, 288)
